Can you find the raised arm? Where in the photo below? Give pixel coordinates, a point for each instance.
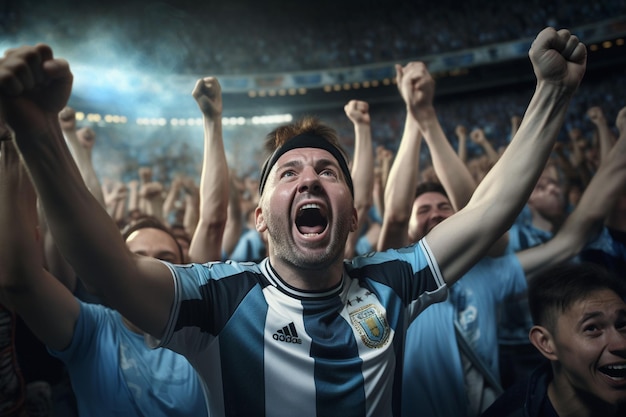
(461, 134)
(450, 169)
(559, 62)
(362, 166)
(615, 218)
(191, 215)
(515, 122)
(172, 195)
(145, 177)
(206, 243)
(34, 87)
(605, 136)
(234, 222)
(404, 172)
(151, 199)
(478, 137)
(81, 144)
(594, 206)
(45, 305)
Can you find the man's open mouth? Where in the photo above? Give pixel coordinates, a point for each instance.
(616, 371)
(310, 220)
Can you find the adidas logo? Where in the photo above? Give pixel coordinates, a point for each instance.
(287, 334)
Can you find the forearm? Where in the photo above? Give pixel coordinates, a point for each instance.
(606, 139)
(16, 266)
(451, 170)
(403, 175)
(153, 206)
(192, 212)
(234, 221)
(206, 244)
(363, 169)
(400, 190)
(506, 188)
(528, 152)
(363, 180)
(586, 220)
(119, 211)
(133, 197)
(490, 151)
(82, 229)
(462, 151)
(214, 180)
(46, 306)
(170, 198)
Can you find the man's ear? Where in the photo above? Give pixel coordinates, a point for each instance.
(542, 339)
(259, 220)
(355, 221)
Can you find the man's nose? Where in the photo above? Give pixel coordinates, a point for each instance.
(617, 342)
(309, 180)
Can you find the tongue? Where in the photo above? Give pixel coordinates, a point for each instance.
(311, 229)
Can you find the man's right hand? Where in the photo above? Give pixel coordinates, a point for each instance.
(34, 88)
(558, 57)
(208, 95)
(416, 86)
(357, 111)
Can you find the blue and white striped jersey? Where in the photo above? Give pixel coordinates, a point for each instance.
(264, 348)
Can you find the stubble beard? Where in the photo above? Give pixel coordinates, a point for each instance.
(284, 248)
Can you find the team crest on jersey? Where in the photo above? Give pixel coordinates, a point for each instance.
(372, 325)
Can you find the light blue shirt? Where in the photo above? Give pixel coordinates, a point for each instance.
(114, 373)
(433, 378)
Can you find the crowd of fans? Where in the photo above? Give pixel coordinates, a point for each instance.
(252, 38)
(171, 150)
(164, 178)
(160, 173)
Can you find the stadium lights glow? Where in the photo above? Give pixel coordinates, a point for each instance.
(190, 121)
(94, 117)
(113, 118)
(154, 121)
(273, 119)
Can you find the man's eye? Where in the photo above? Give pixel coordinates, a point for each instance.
(287, 174)
(328, 172)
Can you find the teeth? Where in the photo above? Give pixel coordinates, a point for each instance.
(310, 206)
(617, 367)
(311, 234)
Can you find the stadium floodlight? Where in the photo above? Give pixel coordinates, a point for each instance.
(272, 119)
